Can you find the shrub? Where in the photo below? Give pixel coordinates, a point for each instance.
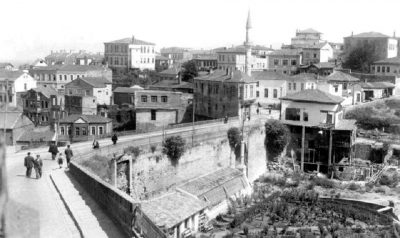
(174, 148)
(274, 180)
(390, 180)
(234, 138)
(380, 190)
(133, 150)
(245, 230)
(277, 137)
(100, 165)
(323, 182)
(153, 148)
(354, 187)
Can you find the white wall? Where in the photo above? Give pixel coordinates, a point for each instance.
(271, 85)
(20, 82)
(103, 95)
(326, 53)
(392, 52)
(137, 55)
(330, 88)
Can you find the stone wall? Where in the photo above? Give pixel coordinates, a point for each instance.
(257, 155)
(362, 151)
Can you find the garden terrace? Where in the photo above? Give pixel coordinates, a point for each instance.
(298, 211)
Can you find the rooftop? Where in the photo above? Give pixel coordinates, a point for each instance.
(223, 76)
(13, 118)
(10, 75)
(305, 77)
(346, 125)
(313, 96)
(268, 75)
(324, 65)
(370, 34)
(172, 84)
(131, 40)
(46, 91)
(3, 65)
(126, 90)
(216, 186)
(338, 76)
(288, 52)
(377, 85)
(96, 82)
(172, 208)
(86, 118)
(160, 57)
(173, 50)
(394, 61)
(310, 31)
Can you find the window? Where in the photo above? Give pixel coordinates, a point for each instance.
(275, 93)
(312, 86)
(93, 130)
(276, 62)
(329, 118)
(46, 104)
(302, 86)
(65, 77)
(265, 92)
(216, 107)
(100, 130)
(315, 56)
(378, 69)
(285, 62)
(292, 114)
(336, 88)
(164, 99)
(72, 77)
(69, 130)
(42, 104)
(358, 97)
(144, 98)
(77, 131)
(345, 86)
(305, 116)
(251, 91)
(84, 131)
(290, 86)
(383, 69)
(294, 86)
(153, 98)
(60, 77)
(25, 86)
(245, 91)
(62, 130)
(258, 94)
(388, 69)
(294, 62)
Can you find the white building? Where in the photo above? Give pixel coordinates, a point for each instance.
(12, 83)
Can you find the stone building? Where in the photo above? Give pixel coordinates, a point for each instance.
(390, 66)
(306, 37)
(286, 61)
(383, 46)
(57, 76)
(98, 87)
(130, 53)
(12, 84)
(317, 53)
(80, 105)
(205, 62)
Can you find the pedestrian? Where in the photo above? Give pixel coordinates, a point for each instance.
(114, 138)
(29, 163)
(95, 144)
(258, 111)
(60, 160)
(68, 155)
(38, 166)
(53, 149)
(226, 119)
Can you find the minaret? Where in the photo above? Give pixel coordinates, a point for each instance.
(247, 45)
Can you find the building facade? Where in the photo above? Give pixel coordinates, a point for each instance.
(306, 37)
(98, 87)
(286, 61)
(130, 53)
(163, 63)
(390, 66)
(15, 126)
(12, 84)
(383, 46)
(80, 105)
(317, 53)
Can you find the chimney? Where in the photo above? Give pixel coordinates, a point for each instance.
(394, 34)
(179, 77)
(352, 34)
(133, 38)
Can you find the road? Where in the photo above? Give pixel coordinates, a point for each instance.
(36, 206)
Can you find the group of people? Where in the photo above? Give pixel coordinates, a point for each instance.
(37, 164)
(96, 144)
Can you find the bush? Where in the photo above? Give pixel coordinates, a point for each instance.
(274, 180)
(365, 118)
(245, 230)
(100, 165)
(174, 148)
(390, 180)
(277, 136)
(153, 148)
(354, 187)
(234, 138)
(133, 150)
(323, 182)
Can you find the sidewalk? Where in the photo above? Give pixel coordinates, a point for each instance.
(87, 215)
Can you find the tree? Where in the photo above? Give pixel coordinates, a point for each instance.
(174, 147)
(277, 136)
(189, 70)
(360, 58)
(234, 138)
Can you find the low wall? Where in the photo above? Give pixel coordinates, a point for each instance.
(123, 210)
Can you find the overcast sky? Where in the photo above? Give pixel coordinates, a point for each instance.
(30, 29)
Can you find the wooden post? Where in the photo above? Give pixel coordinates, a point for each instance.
(130, 173)
(303, 138)
(330, 148)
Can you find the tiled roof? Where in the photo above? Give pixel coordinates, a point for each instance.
(313, 46)
(309, 30)
(131, 40)
(338, 76)
(33, 135)
(217, 186)
(286, 52)
(10, 75)
(126, 90)
(221, 75)
(96, 82)
(394, 60)
(3, 65)
(377, 85)
(268, 75)
(346, 125)
(171, 71)
(87, 118)
(172, 84)
(160, 57)
(173, 50)
(81, 68)
(313, 96)
(324, 65)
(370, 34)
(240, 50)
(205, 57)
(12, 118)
(172, 208)
(305, 77)
(46, 91)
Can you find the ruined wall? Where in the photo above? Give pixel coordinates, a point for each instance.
(362, 150)
(256, 154)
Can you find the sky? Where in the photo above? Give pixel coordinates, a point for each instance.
(31, 29)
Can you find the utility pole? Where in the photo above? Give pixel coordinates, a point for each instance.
(5, 115)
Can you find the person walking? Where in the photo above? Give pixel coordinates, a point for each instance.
(60, 160)
(29, 163)
(53, 149)
(114, 139)
(68, 155)
(38, 166)
(95, 144)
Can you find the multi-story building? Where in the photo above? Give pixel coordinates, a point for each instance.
(57, 76)
(235, 59)
(43, 106)
(390, 66)
(130, 53)
(271, 87)
(81, 57)
(12, 84)
(320, 136)
(317, 53)
(383, 46)
(80, 105)
(286, 61)
(306, 37)
(177, 54)
(98, 87)
(163, 63)
(205, 62)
